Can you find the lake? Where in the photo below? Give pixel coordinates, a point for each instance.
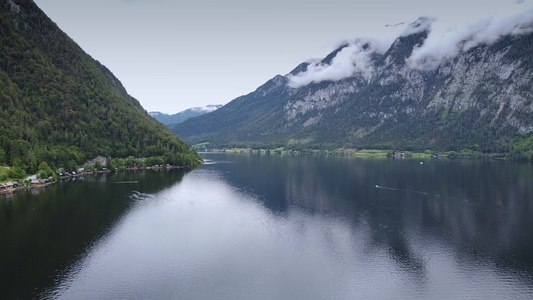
(276, 227)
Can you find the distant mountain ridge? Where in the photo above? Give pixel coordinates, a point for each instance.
(183, 115)
(479, 96)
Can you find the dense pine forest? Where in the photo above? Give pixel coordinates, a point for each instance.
(60, 106)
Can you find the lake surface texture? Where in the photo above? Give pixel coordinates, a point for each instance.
(274, 227)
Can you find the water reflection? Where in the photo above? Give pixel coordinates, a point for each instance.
(252, 227)
(45, 231)
(480, 210)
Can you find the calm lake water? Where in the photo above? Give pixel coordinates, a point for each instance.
(273, 227)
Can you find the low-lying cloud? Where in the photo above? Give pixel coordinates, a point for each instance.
(444, 42)
(351, 60)
(447, 38)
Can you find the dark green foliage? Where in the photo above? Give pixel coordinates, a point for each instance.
(132, 161)
(45, 171)
(520, 155)
(154, 161)
(16, 173)
(60, 106)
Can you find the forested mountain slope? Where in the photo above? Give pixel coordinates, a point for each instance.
(59, 105)
(477, 96)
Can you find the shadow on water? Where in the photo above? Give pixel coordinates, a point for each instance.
(44, 232)
(479, 209)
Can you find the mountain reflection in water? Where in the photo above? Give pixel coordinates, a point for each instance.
(317, 227)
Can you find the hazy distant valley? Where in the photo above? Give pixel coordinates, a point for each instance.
(171, 120)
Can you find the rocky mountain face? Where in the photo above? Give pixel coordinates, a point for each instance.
(174, 119)
(479, 96)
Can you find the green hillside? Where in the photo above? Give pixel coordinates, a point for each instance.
(59, 105)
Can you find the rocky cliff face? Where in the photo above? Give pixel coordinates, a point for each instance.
(479, 98)
(485, 79)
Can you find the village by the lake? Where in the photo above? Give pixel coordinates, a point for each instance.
(92, 168)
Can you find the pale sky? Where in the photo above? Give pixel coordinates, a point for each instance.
(176, 54)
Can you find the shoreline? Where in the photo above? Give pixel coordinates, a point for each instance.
(25, 187)
(29, 187)
(366, 153)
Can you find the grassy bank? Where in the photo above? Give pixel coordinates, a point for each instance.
(368, 153)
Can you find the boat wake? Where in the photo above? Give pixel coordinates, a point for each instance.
(214, 162)
(401, 190)
(138, 196)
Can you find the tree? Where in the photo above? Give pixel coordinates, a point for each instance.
(131, 161)
(59, 105)
(45, 171)
(16, 173)
(154, 160)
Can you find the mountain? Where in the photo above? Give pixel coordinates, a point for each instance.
(416, 93)
(180, 117)
(60, 106)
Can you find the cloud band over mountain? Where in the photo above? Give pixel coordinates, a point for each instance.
(446, 39)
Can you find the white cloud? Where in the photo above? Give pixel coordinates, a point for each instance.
(449, 35)
(351, 60)
(446, 40)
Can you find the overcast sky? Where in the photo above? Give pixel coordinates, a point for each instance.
(176, 54)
